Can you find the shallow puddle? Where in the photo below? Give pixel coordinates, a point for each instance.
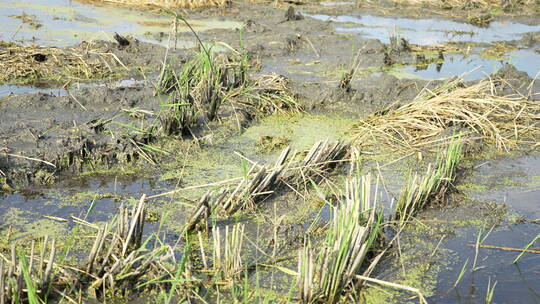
(512, 182)
(95, 199)
(65, 23)
(7, 90)
(472, 67)
(426, 31)
(437, 31)
(516, 283)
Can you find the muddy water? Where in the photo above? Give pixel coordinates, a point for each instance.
(426, 31)
(514, 183)
(436, 31)
(66, 22)
(7, 90)
(73, 198)
(472, 67)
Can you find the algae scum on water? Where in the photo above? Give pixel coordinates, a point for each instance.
(253, 152)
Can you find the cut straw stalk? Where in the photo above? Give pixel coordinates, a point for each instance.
(504, 121)
(354, 231)
(262, 181)
(420, 191)
(119, 261)
(24, 281)
(228, 257)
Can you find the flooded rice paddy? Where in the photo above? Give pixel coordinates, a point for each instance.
(427, 31)
(65, 23)
(451, 253)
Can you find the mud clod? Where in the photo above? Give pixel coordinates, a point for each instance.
(122, 41)
(293, 15)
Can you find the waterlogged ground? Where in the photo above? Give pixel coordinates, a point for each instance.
(64, 23)
(498, 194)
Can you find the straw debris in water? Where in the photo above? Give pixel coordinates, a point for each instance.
(118, 263)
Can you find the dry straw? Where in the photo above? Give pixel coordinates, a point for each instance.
(190, 4)
(478, 111)
(228, 253)
(29, 63)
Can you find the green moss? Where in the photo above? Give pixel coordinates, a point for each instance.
(203, 166)
(302, 129)
(219, 162)
(417, 266)
(534, 182)
(272, 143)
(44, 227)
(24, 224)
(468, 223)
(379, 294)
(472, 187)
(119, 170)
(4, 187)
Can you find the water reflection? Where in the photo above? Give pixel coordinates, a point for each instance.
(427, 31)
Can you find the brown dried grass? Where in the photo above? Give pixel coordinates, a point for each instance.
(23, 64)
(171, 4)
(477, 111)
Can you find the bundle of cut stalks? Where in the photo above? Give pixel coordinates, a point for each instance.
(119, 257)
(227, 259)
(27, 63)
(25, 279)
(477, 111)
(197, 89)
(118, 262)
(326, 276)
(262, 181)
(189, 4)
(430, 188)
